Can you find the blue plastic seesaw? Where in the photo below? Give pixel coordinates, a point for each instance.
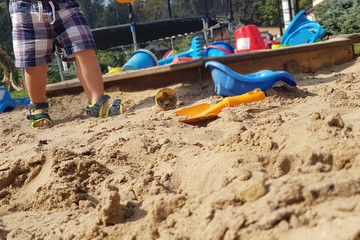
(230, 83)
(8, 104)
(196, 50)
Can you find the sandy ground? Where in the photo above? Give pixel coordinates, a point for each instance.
(286, 167)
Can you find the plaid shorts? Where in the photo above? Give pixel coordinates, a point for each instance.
(37, 26)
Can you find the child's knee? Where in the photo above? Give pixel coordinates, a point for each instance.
(85, 52)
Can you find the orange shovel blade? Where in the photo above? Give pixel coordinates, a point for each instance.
(203, 111)
(193, 110)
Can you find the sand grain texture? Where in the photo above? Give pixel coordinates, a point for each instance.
(287, 167)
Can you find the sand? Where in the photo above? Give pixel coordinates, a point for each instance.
(286, 167)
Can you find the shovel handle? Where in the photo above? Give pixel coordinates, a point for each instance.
(252, 96)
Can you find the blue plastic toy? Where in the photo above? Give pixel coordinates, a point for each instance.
(219, 48)
(196, 50)
(140, 59)
(230, 83)
(302, 31)
(8, 104)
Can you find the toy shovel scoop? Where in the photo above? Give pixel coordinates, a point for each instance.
(203, 111)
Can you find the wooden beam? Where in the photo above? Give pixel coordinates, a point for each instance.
(301, 58)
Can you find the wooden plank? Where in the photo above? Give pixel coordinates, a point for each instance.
(294, 59)
(302, 58)
(155, 77)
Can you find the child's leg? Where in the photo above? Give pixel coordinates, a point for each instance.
(36, 79)
(32, 42)
(90, 76)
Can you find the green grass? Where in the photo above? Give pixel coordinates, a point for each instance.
(357, 48)
(19, 94)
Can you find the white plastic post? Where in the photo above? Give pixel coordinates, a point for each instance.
(286, 11)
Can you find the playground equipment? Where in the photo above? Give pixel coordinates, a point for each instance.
(219, 48)
(160, 25)
(125, 1)
(230, 83)
(248, 38)
(302, 31)
(183, 59)
(203, 111)
(169, 54)
(115, 70)
(267, 37)
(8, 104)
(275, 46)
(166, 99)
(196, 50)
(141, 59)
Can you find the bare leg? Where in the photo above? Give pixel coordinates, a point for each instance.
(36, 79)
(90, 76)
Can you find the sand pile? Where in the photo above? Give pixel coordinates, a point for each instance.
(287, 167)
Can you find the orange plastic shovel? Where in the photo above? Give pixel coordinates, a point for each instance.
(204, 111)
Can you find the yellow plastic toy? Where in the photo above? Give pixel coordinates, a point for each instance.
(203, 111)
(115, 70)
(125, 1)
(166, 99)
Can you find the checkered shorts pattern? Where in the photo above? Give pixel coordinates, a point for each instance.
(38, 26)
